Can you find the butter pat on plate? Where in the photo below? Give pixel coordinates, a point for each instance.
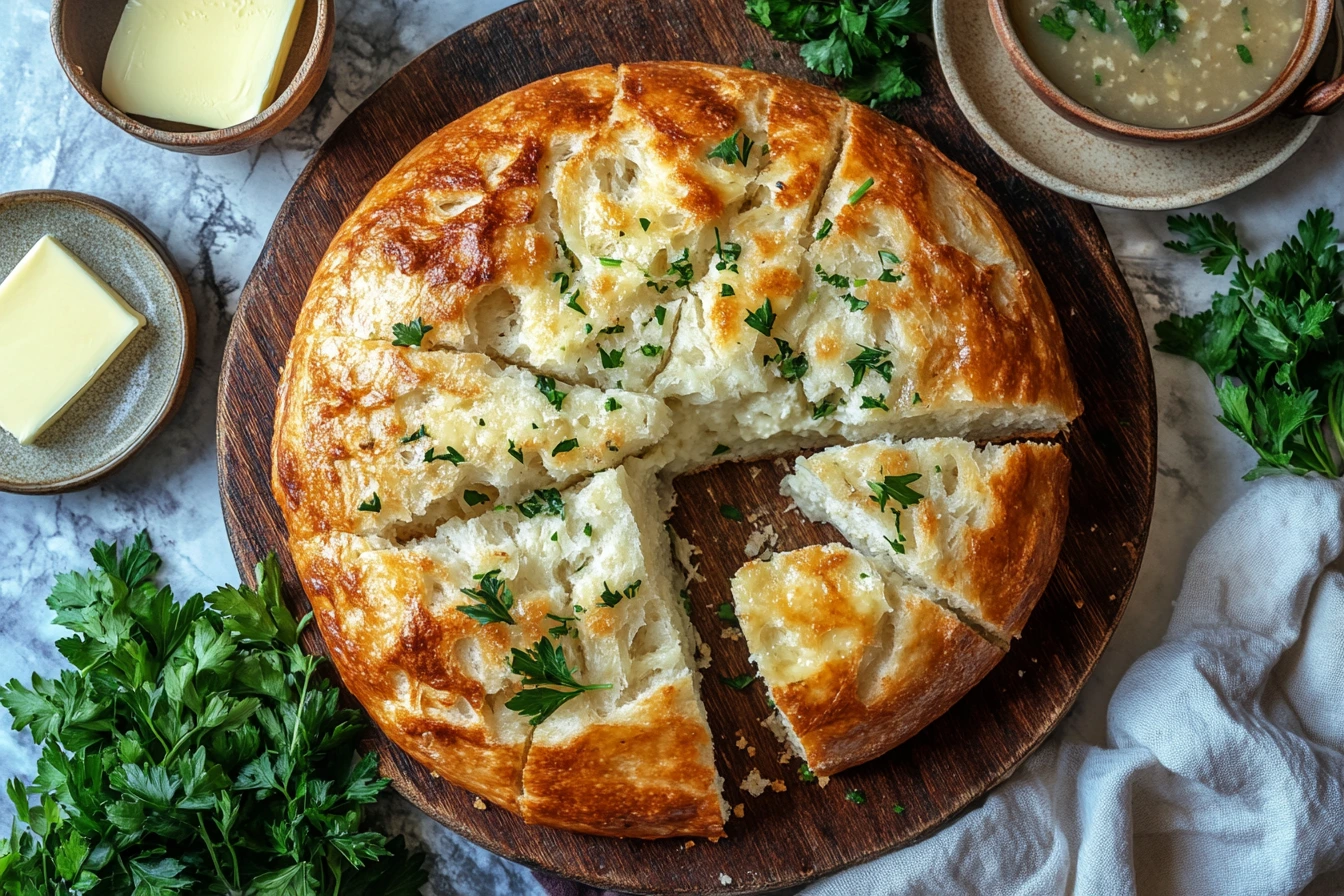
(60, 327)
(213, 63)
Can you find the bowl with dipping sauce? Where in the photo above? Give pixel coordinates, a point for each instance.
(1163, 70)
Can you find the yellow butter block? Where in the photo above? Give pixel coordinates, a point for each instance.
(213, 63)
(60, 326)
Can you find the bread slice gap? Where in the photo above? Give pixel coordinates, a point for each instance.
(406, 439)
(635, 758)
(856, 662)
(978, 528)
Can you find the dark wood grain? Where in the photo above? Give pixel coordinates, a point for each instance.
(790, 837)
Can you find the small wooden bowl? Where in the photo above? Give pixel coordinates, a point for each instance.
(1285, 92)
(81, 31)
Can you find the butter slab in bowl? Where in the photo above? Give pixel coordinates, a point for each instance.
(135, 383)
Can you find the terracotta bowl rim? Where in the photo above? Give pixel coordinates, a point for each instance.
(1315, 33)
(217, 137)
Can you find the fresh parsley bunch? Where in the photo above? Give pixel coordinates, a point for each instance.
(193, 748)
(1273, 344)
(864, 43)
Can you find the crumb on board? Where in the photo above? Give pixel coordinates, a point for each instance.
(741, 743)
(479, 803)
(823, 780)
(731, 633)
(782, 464)
(739, 810)
(751, 751)
(778, 785)
(686, 554)
(755, 472)
(1021, 672)
(689, 844)
(753, 783)
(724, 879)
(703, 656)
(762, 542)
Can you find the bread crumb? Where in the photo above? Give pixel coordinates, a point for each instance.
(741, 743)
(724, 879)
(755, 472)
(823, 780)
(762, 542)
(739, 810)
(479, 803)
(1021, 672)
(753, 783)
(731, 634)
(755, 542)
(1111, 597)
(703, 657)
(782, 464)
(689, 844)
(686, 553)
(778, 786)
(751, 751)
(1078, 603)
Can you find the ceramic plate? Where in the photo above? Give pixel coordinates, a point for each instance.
(138, 393)
(1057, 154)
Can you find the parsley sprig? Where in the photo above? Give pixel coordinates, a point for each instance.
(1273, 344)
(496, 599)
(548, 681)
(193, 748)
(864, 43)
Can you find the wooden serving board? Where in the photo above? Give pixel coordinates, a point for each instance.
(787, 837)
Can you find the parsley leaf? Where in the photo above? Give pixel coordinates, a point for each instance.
(1273, 344)
(611, 359)
(515, 453)
(1150, 20)
(496, 600)
(372, 505)
(548, 681)
(411, 334)
(895, 489)
(650, 350)
(824, 230)
(1097, 14)
(869, 358)
(731, 512)
(1244, 54)
(450, 454)
(1057, 23)
(416, 436)
(168, 751)
(546, 385)
(725, 612)
(473, 497)
(612, 405)
(719, 449)
(612, 598)
(762, 320)
(564, 446)
(730, 152)
(738, 682)
(792, 367)
(856, 797)
(545, 501)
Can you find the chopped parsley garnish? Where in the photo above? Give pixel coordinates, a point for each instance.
(806, 775)
(686, 601)
(791, 366)
(858, 194)
(562, 447)
(372, 505)
(612, 405)
(870, 358)
(548, 681)
(1150, 20)
(611, 359)
(726, 290)
(895, 489)
(543, 501)
(839, 281)
(1096, 76)
(496, 600)
(450, 454)
(916, 399)
(682, 267)
(1244, 53)
(411, 334)
(762, 320)
(1246, 19)
(1057, 23)
(1273, 344)
(720, 449)
(856, 797)
(572, 301)
(749, 63)
(877, 403)
(729, 150)
(660, 314)
(889, 260)
(473, 498)
(824, 229)
(825, 408)
(610, 262)
(563, 279)
(546, 386)
(897, 808)
(612, 598)
(650, 350)
(731, 512)
(588, 529)
(569, 626)
(1095, 12)
(416, 436)
(644, 224)
(855, 303)
(725, 612)
(728, 253)
(613, 329)
(514, 452)
(738, 682)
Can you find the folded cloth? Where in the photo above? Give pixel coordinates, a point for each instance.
(1223, 771)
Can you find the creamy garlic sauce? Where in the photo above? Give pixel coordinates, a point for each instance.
(1225, 55)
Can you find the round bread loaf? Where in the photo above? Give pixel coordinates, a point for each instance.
(568, 296)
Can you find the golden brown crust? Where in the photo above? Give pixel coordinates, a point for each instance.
(643, 775)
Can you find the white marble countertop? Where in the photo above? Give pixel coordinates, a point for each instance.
(214, 213)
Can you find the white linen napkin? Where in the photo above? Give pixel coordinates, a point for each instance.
(1223, 770)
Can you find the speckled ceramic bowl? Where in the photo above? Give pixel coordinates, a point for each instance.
(1058, 154)
(143, 387)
